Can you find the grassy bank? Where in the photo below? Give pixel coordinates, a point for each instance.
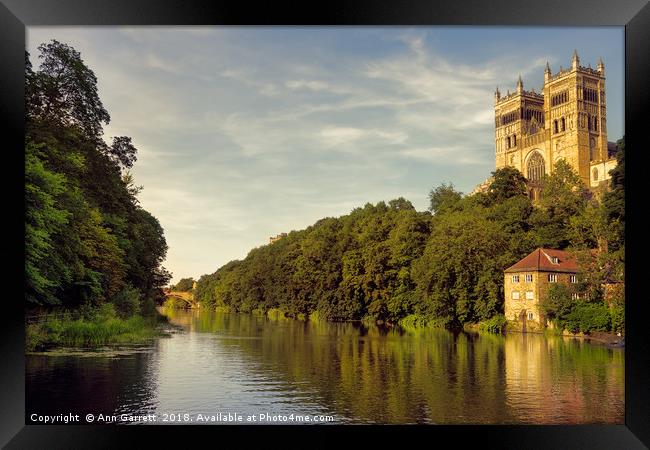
(90, 328)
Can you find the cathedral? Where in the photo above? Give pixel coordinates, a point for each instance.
(567, 120)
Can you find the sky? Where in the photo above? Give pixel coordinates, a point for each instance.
(247, 132)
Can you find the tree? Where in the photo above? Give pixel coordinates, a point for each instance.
(123, 151)
(507, 182)
(564, 197)
(443, 198)
(64, 93)
(185, 284)
(44, 218)
(87, 240)
(614, 200)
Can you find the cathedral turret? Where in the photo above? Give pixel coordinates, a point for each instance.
(575, 61)
(601, 66)
(497, 95)
(520, 85)
(547, 72)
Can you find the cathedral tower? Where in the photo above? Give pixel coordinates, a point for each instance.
(567, 120)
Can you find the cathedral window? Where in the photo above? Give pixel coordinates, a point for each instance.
(536, 167)
(508, 142)
(563, 123)
(595, 123)
(555, 126)
(514, 140)
(595, 174)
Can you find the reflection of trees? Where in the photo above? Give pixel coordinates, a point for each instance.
(374, 375)
(563, 380)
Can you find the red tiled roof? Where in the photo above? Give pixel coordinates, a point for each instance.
(542, 260)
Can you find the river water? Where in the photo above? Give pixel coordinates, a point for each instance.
(220, 368)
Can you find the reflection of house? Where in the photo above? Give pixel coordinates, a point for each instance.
(527, 282)
(566, 120)
(277, 238)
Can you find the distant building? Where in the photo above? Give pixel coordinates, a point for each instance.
(273, 239)
(527, 282)
(567, 120)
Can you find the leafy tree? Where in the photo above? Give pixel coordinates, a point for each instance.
(44, 218)
(564, 197)
(87, 239)
(507, 182)
(123, 151)
(65, 92)
(443, 198)
(185, 284)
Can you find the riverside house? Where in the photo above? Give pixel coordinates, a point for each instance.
(527, 282)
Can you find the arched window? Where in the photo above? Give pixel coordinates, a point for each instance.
(595, 174)
(508, 142)
(536, 167)
(514, 140)
(563, 124)
(595, 123)
(555, 126)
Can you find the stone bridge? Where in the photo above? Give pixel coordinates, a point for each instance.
(186, 296)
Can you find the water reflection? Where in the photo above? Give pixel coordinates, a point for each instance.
(247, 365)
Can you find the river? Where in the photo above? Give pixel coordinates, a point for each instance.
(221, 368)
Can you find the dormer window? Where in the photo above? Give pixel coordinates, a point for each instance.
(555, 260)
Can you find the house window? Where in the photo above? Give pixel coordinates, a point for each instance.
(529, 295)
(575, 296)
(515, 278)
(529, 278)
(515, 295)
(530, 316)
(552, 278)
(573, 279)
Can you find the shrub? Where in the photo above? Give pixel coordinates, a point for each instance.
(588, 317)
(127, 301)
(276, 313)
(495, 324)
(414, 321)
(617, 314)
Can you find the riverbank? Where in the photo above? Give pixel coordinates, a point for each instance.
(90, 329)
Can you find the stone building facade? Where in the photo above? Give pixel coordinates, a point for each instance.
(567, 120)
(527, 282)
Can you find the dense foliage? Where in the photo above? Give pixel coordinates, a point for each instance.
(87, 240)
(185, 284)
(391, 263)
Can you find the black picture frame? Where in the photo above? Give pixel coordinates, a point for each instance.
(634, 15)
